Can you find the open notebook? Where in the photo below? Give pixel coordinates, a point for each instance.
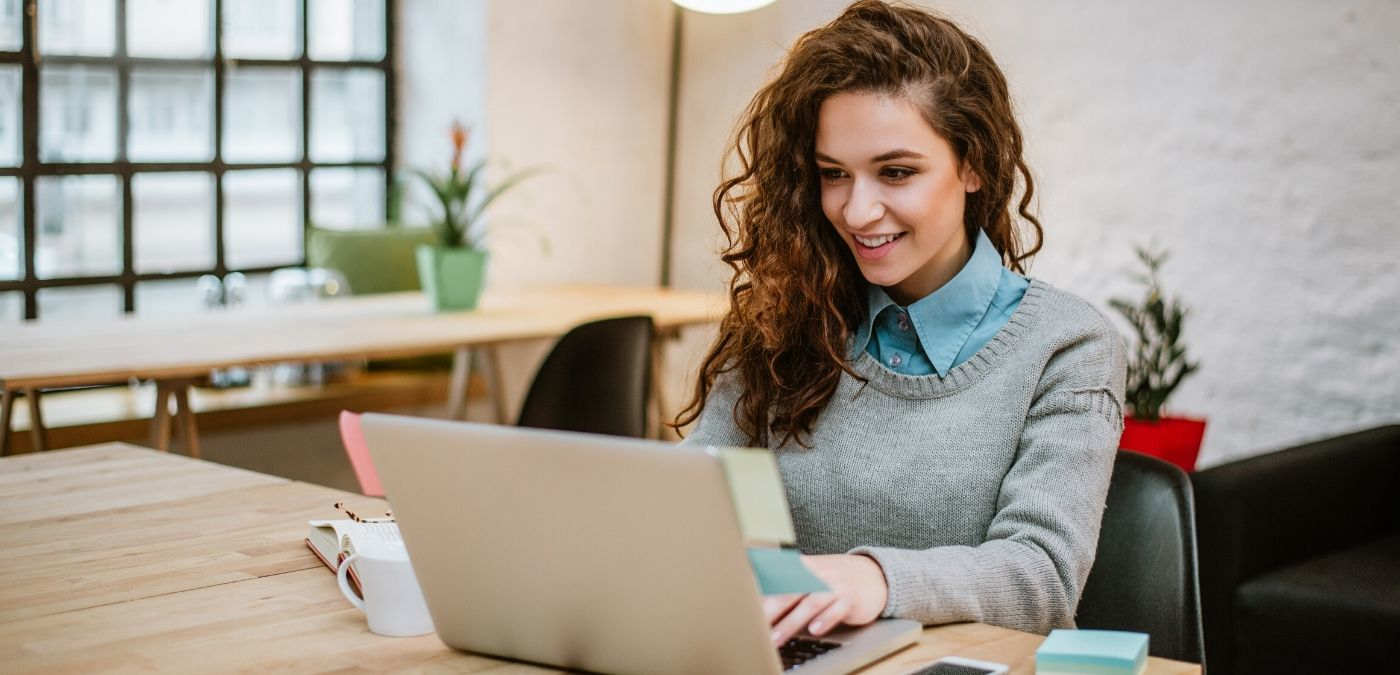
(335, 540)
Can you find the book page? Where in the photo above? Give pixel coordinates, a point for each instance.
(361, 537)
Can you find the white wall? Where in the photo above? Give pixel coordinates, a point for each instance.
(1257, 140)
(578, 88)
(574, 88)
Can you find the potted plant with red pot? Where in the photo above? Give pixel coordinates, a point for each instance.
(1155, 369)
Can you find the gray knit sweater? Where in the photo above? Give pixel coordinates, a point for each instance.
(980, 493)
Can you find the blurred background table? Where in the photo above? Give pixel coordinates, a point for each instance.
(175, 351)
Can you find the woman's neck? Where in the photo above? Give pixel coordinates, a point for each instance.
(932, 276)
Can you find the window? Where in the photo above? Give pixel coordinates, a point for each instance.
(146, 143)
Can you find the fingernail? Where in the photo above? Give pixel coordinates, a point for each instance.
(776, 637)
(816, 627)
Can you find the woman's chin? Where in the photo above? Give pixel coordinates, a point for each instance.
(879, 277)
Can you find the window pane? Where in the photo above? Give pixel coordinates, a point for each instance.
(170, 28)
(169, 296)
(347, 115)
(186, 296)
(262, 218)
(11, 242)
(173, 221)
(79, 225)
(171, 114)
(262, 29)
(347, 199)
(343, 30)
(262, 115)
(11, 307)
(80, 302)
(11, 28)
(77, 114)
(77, 27)
(10, 130)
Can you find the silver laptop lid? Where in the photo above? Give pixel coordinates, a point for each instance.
(580, 551)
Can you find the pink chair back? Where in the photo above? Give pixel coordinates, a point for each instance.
(358, 452)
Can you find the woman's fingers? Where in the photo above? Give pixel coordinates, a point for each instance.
(798, 617)
(775, 606)
(829, 618)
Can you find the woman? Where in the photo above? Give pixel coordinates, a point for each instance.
(945, 427)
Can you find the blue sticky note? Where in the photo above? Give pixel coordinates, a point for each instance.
(780, 571)
(1092, 652)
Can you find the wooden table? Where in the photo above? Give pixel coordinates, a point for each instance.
(121, 558)
(175, 351)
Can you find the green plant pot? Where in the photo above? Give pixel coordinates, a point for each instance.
(452, 277)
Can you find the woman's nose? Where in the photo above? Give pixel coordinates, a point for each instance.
(863, 206)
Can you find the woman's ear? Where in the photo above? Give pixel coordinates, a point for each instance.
(971, 181)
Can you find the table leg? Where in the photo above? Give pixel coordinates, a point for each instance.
(492, 361)
(457, 388)
(160, 423)
(186, 416)
(7, 407)
(36, 420)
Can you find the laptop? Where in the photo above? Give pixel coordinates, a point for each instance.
(589, 552)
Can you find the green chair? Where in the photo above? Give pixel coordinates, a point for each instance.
(373, 261)
(376, 261)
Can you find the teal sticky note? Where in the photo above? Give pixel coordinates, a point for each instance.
(757, 491)
(1092, 652)
(780, 571)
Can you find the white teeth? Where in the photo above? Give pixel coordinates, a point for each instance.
(872, 242)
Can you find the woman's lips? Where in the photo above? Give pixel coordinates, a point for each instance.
(875, 252)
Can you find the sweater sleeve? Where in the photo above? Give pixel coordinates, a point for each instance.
(716, 425)
(1039, 547)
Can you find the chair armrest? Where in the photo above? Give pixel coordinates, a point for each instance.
(1301, 502)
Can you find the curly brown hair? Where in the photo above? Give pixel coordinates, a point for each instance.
(796, 294)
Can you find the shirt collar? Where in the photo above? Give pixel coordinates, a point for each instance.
(945, 318)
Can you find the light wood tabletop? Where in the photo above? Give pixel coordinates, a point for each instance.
(120, 558)
(177, 350)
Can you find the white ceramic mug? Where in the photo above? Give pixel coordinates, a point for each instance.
(393, 601)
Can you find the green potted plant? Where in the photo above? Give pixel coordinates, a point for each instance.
(453, 270)
(1156, 367)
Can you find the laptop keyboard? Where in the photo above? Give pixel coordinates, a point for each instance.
(798, 651)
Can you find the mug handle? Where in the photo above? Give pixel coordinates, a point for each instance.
(345, 583)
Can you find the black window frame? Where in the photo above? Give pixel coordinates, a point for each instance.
(31, 169)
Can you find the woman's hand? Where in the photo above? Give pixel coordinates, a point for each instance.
(857, 597)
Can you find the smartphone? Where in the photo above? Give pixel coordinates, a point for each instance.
(953, 665)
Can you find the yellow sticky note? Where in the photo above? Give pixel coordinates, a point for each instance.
(757, 491)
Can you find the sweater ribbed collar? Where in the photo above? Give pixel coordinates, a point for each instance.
(965, 374)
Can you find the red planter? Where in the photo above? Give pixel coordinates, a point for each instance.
(1174, 439)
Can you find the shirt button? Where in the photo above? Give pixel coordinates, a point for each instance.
(896, 360)
(903, 322)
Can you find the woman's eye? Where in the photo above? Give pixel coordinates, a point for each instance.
(897, 172)
(832, 174)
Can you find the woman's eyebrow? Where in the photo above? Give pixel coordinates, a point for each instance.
(898, 154)
(893, 154)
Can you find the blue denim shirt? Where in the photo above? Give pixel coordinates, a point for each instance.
(946, 327)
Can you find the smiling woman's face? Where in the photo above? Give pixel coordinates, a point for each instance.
(895, 191)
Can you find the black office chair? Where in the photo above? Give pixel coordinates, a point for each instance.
(1144, 577)
(596, 379)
